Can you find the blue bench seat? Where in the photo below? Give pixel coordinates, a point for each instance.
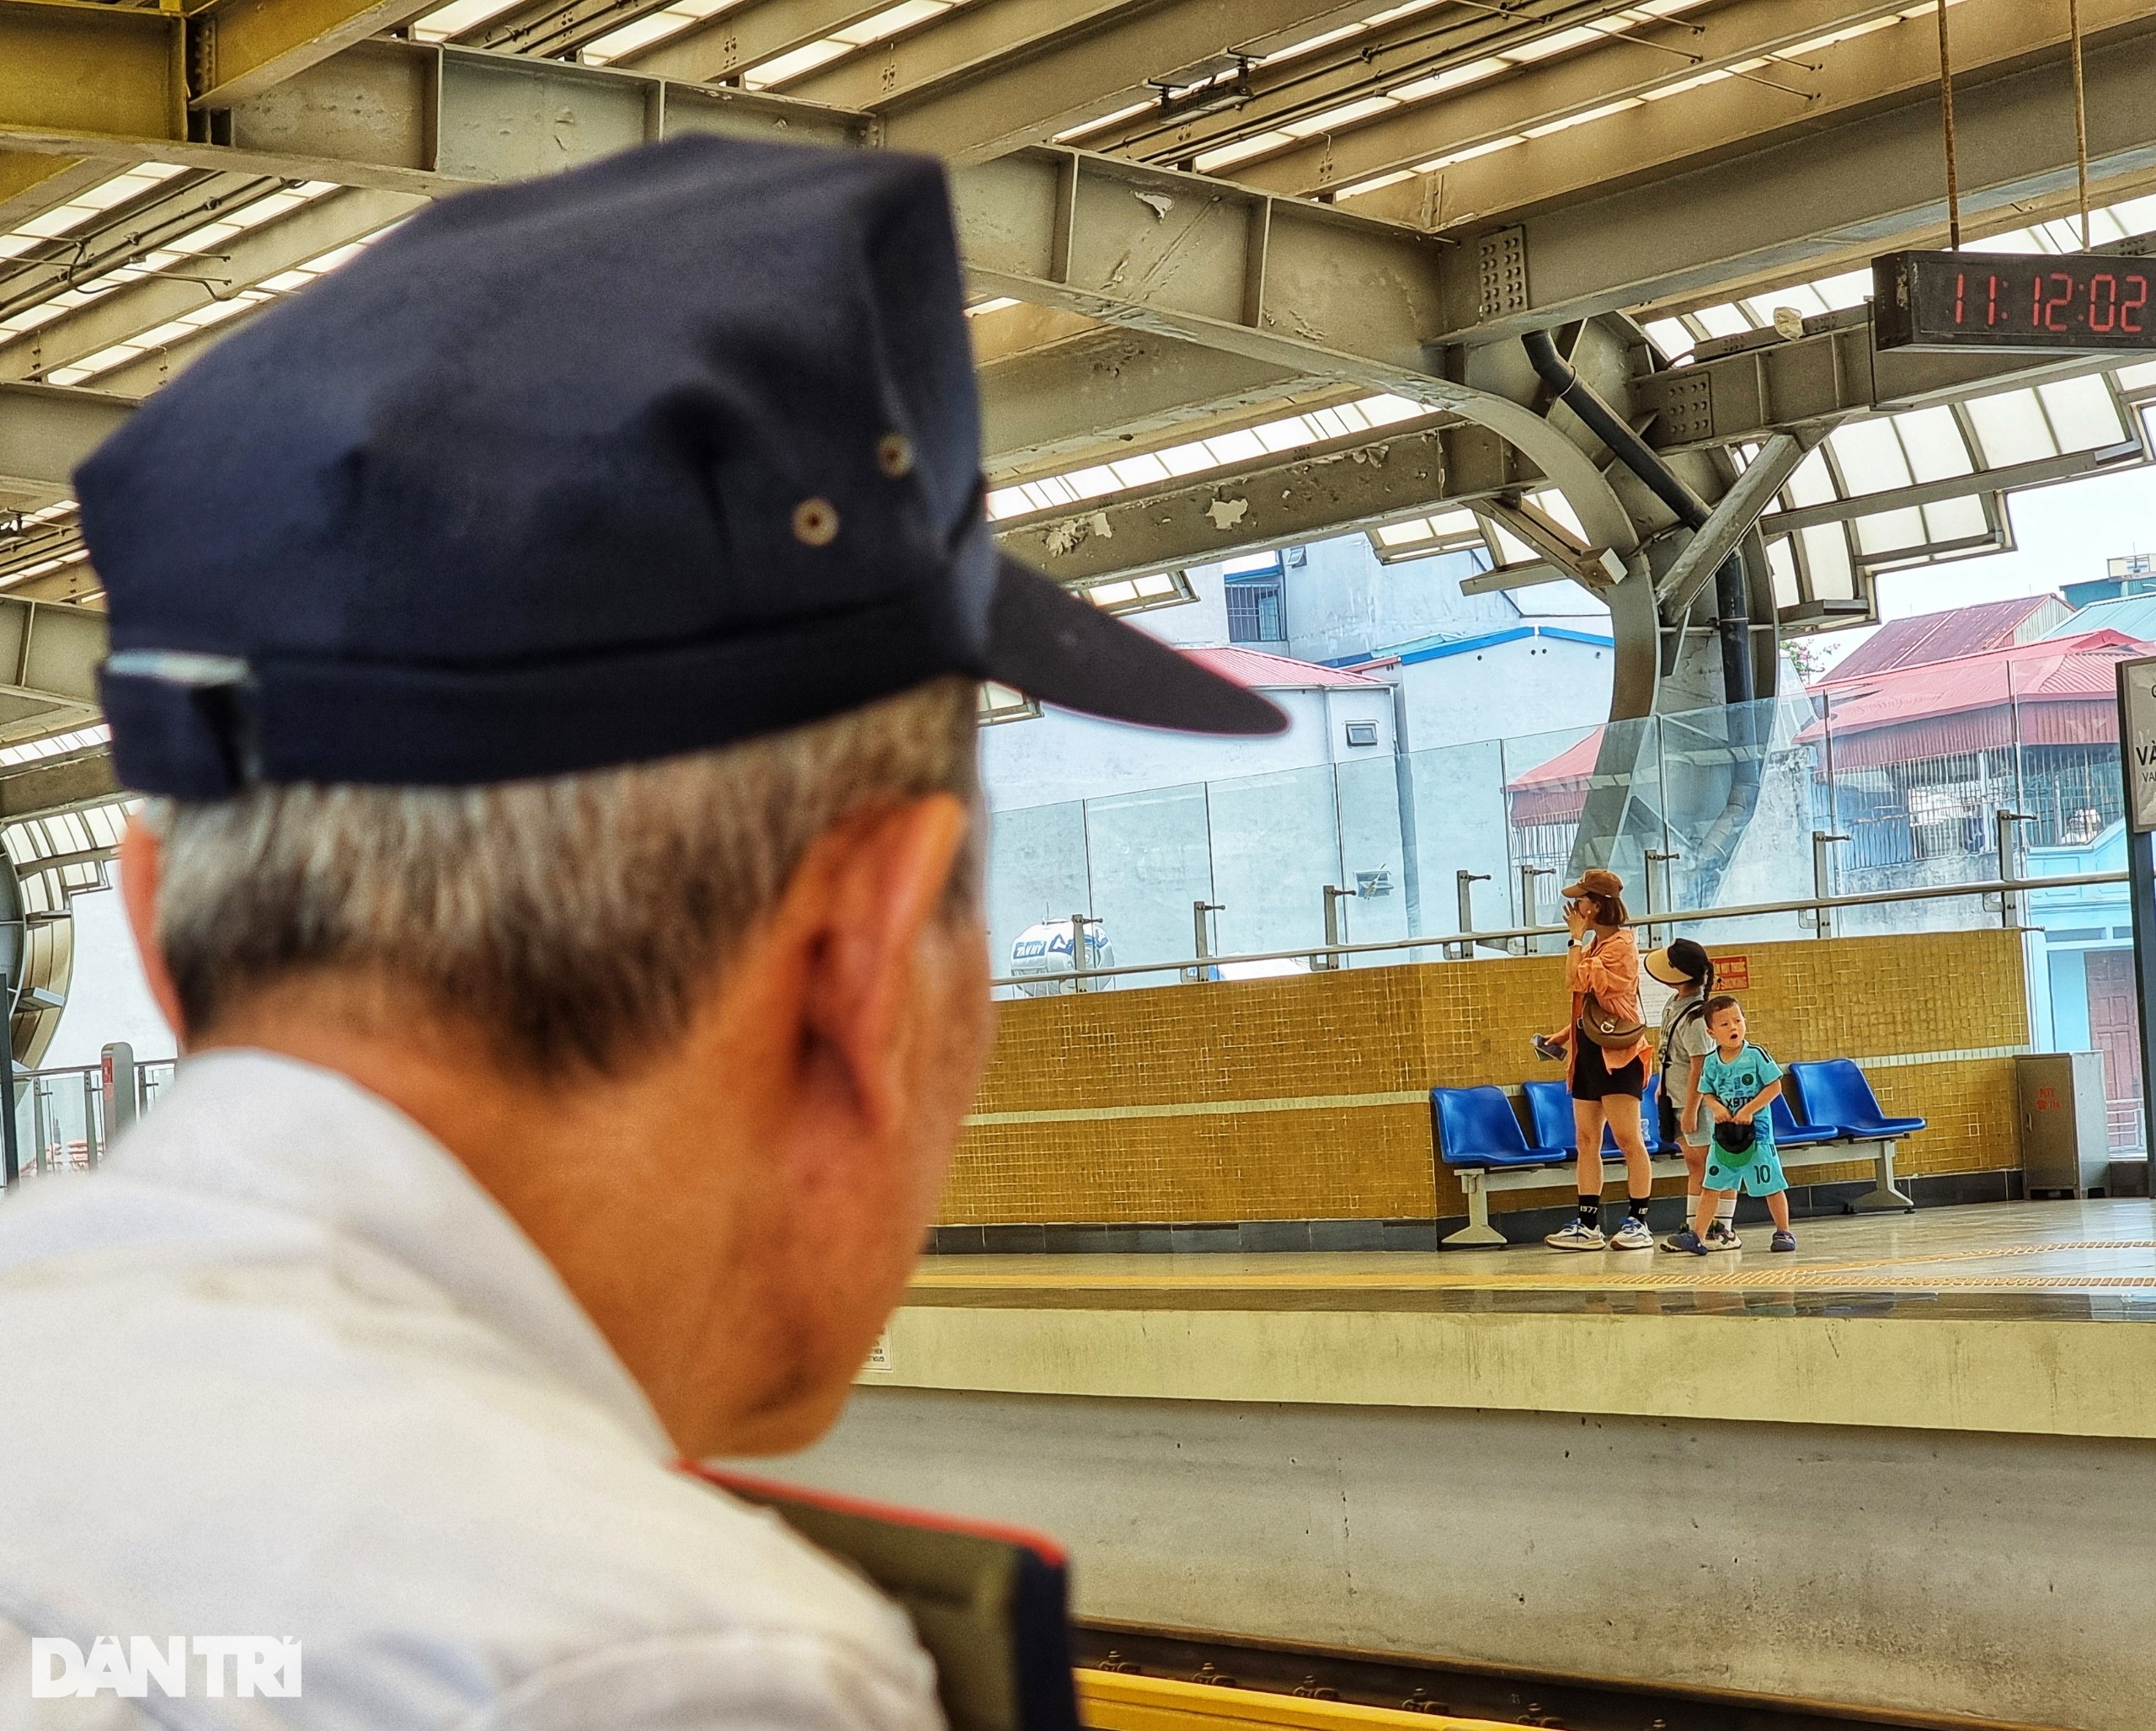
(1835, 1092)
(1478, 1130)
(1828, 1114)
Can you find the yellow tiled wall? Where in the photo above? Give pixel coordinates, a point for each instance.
(1306, 1099)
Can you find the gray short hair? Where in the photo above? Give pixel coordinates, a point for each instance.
(576, 918)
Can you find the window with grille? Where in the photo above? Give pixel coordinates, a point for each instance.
(1255, 611)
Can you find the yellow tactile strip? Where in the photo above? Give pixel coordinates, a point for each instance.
(1871, 1273)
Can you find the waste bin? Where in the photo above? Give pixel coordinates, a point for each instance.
(2065, 1140)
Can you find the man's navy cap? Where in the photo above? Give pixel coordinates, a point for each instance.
(661, 454)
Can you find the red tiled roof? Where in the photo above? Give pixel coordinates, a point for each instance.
(2063, 688)
(1259, 671)
(1570, 767)
(1940, 636)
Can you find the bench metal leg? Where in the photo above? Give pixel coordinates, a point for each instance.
(1888, 1197)
(1478, 1229)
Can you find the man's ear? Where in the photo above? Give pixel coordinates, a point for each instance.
(141, 873)
(880, 883)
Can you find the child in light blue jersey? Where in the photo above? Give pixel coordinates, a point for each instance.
(1739, 1083)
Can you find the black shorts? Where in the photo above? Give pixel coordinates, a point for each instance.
(1594, 1079)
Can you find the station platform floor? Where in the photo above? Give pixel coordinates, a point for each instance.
(2043, 1258)
(1973, 1318)
(1856, 1475)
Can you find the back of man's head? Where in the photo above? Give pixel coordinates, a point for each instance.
(574, 919)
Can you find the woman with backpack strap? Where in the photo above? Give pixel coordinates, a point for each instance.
(1685, 1044)
(1605, 1067)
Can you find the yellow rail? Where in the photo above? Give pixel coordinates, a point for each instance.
(1111, 1700)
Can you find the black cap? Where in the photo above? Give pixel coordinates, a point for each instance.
(656, 456)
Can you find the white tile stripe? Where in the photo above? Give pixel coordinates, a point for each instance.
(1404, 1096)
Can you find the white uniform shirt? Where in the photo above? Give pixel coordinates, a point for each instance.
(283, 1369)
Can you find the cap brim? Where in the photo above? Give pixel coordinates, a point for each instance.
(1060, 648)
(1656, 961)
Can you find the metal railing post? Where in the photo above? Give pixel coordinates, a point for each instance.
(1657, 867)
(2009, 837)
(1201, 936)
(1465, 883)
(1079, 922)
(92, 1142)
(1820, 918)
(1986, 888)
(1335, 932)
(1530, 901)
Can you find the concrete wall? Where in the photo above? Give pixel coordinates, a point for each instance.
(1531, 686)
(1997, 1577)
(1059, 755)
(1307, 1099)
(1340, 601)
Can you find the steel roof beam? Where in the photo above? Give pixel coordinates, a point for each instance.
(247, 259)
(1362, 481)
(1109, 387)
(30, 183)
(1649, 58)
(55, 784)
(989, 77)
(398, 115)
(1295, 496)
(1825, 377)
(46, 431)
(552, 27)
(237, 49)
(49, 659)
(1806, 205)
(744, 36)
(1295, 285)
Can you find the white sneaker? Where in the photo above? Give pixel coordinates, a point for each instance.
(1577, 1236)
(1722, 1237)
(1633, 1234)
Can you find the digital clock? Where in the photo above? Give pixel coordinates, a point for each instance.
(2029, 301)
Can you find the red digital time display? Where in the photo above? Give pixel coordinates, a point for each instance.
(2013, 300)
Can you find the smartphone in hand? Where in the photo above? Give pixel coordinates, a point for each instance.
(1548, 1049)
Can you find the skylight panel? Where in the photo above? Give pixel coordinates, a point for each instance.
(2011, 428)
(1933, 439)
(1452, 78)
(1670, 336)
(798, 63)
(457, 16)
(1241, 151)
(1569, 121)
(2081, 413)
(1869, 456)
(1470, 154)
(1332, 119)
(890, 21)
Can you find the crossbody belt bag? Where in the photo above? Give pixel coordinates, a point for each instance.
(1605, 1029)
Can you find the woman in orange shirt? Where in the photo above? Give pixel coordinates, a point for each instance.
(1605, 1077)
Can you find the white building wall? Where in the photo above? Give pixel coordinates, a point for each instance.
(1059, 755)
(1532, 686)
(1340, 601)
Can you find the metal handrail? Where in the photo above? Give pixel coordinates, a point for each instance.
(1673, 916)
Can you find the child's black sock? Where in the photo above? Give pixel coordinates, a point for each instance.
(1636, 1207)
(1591, 1212)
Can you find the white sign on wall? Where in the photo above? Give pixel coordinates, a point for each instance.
(2138, 741)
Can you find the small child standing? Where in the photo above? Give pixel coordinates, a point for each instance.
(1739, 1082)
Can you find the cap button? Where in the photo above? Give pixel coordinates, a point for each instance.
(815, 522)
(894, 455)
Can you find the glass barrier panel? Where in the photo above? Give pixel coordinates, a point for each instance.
(1373, 857)
(1150, 856)
(1036, 873)
(1743, 797)
(1455, 803)
(1276, 846)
